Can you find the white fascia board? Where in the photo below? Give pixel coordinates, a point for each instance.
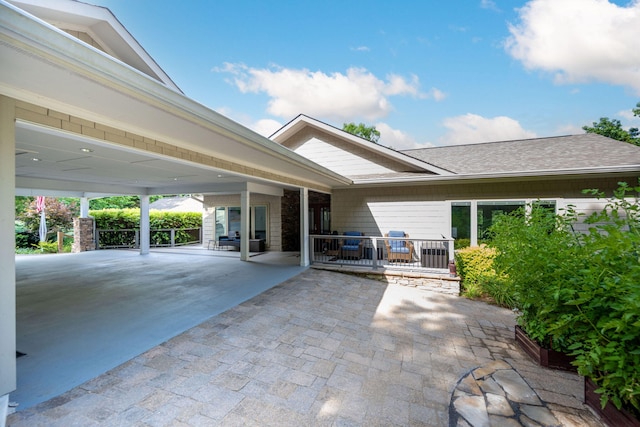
(42, 40)
(100, 23)
(511, 176)
(360, 142)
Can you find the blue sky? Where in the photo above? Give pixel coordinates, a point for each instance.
(423, 72)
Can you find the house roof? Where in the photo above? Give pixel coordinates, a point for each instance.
(103, 29)
(177, 204)
(303, 128)
(586, 151)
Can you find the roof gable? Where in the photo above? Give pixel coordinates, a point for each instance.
(586, 151)
(345, 153)
(97, 27)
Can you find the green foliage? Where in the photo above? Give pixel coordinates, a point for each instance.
(115, 202)
(613, 129)
(578, 292)
(58, 213)
(474, 265)
(604, 297)
(538, 256)
(47, 247)
(22, 204)
(159, 221)
(25, 238)
(369, 133)
(461, 243)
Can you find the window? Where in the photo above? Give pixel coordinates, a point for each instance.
(228, 222)
(471, 220)
(488, 211)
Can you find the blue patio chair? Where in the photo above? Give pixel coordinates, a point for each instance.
(351, 248)
(399, 250)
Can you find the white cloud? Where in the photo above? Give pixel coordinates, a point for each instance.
(397, 139)
(361, 49)
(579, 41)
(489, 4)
(338, 96)
(471, 129)
(266, 127)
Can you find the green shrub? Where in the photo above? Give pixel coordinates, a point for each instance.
(159, 221)
(472, 265)
(48, 247)
(461, 243)
(579, 293)
(604, 297)
(537, 255)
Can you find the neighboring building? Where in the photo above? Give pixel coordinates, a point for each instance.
(177, 204)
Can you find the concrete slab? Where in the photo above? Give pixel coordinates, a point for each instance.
(79, 315)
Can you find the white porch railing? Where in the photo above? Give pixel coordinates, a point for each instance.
(428, 255)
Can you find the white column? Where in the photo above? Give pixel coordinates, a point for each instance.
(245, 226)
(304, 227)
(7, 252)
(84, 207)
(474, 223)
(145, 234)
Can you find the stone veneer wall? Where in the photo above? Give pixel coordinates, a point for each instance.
(291, 216)
(83, 239)
(442, 283)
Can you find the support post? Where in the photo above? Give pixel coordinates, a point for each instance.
(245, 206)
(474, 223)
(304, 227)
(8, 376)
(84, 207)
(145, 232)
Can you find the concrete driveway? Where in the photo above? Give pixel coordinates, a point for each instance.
(79, 315)
(329, 349)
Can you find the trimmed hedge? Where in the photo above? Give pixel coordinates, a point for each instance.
(129, 219)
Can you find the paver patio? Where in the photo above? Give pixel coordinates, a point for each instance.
(322, 348)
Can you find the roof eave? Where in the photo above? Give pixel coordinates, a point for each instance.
(24, 32)
(509, 176)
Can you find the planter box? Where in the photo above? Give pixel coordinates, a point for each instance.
(611, 415)
(544, 356)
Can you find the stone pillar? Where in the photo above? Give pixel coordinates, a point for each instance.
(83, 238)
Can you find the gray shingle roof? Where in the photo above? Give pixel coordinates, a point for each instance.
(539, 154)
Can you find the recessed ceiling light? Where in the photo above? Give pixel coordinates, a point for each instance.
(86, 150)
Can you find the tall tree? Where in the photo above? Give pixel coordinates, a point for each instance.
(613, 128)
(363, 131)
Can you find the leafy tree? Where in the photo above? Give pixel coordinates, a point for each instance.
(369, 133)
(22, 203)
(115, 202)
(613, 128)
(59, 215)
(119, 202)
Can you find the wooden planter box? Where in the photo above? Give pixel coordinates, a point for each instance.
(544, 356)
(611, 415)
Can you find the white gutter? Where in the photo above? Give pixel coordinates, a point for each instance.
(508, 176)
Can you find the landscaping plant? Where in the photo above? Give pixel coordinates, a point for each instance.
(579, 293)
